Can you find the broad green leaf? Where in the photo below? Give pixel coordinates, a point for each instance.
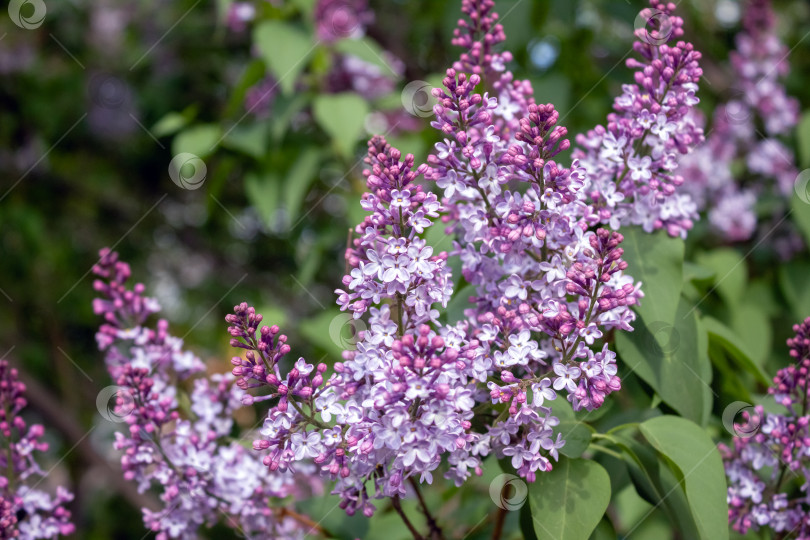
(342, 116)
(263, 194)
(800, 206)
(298, 180)
(250, 139)
(794, 280)
(700, 467)
(199, 140)
(306, 6)
(803, 136)
(171, 123)
(752, 325)
(657, 485)
(253, 73)
(696, 272)
(656, 260)
(731, 273)
(333, 331)
(284, 48)
(526, 523)
(459, 302)
(577, 434)
(673, 360)
(734, 345)
(568, 502)
(604, 531)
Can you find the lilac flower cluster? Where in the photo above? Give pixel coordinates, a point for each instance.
(547, 287)
(632, 161)
(549, 282)
(769, 472)
(402, 399)
(185, 450)
(767, 165)
(26, 512)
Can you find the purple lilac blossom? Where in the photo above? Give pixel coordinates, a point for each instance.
(631, 162)
(547, 286)
(202, 473)
(768, 473)
(26, 513)
(767, 164)
(526, 251)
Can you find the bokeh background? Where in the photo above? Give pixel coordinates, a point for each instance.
(98, 97)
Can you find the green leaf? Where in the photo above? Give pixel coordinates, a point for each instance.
(752, 325)
(458, 303)
(794, 280)
(298, 180)
(800, 207)
(253, 73)
(731, 273)
(695, 272)
(577, 434)
(285, 49)
(200, 140)
(803, 136)
(342, 116)
(673, 360)
(657, 261)
(657, 485)
(172, 123)
(250, 139)
(604, 531)
(723, 336)
(263, 194)
(568, 502)
(700, 466)
(333, 331)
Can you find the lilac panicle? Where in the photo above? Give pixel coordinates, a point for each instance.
(26, 512)
(186, 454)
(632, 160)
(548, 282)
(769, 470)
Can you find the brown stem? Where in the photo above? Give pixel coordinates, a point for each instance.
(305, 521)
(435, 530)
(500, 519)
(395, 502)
